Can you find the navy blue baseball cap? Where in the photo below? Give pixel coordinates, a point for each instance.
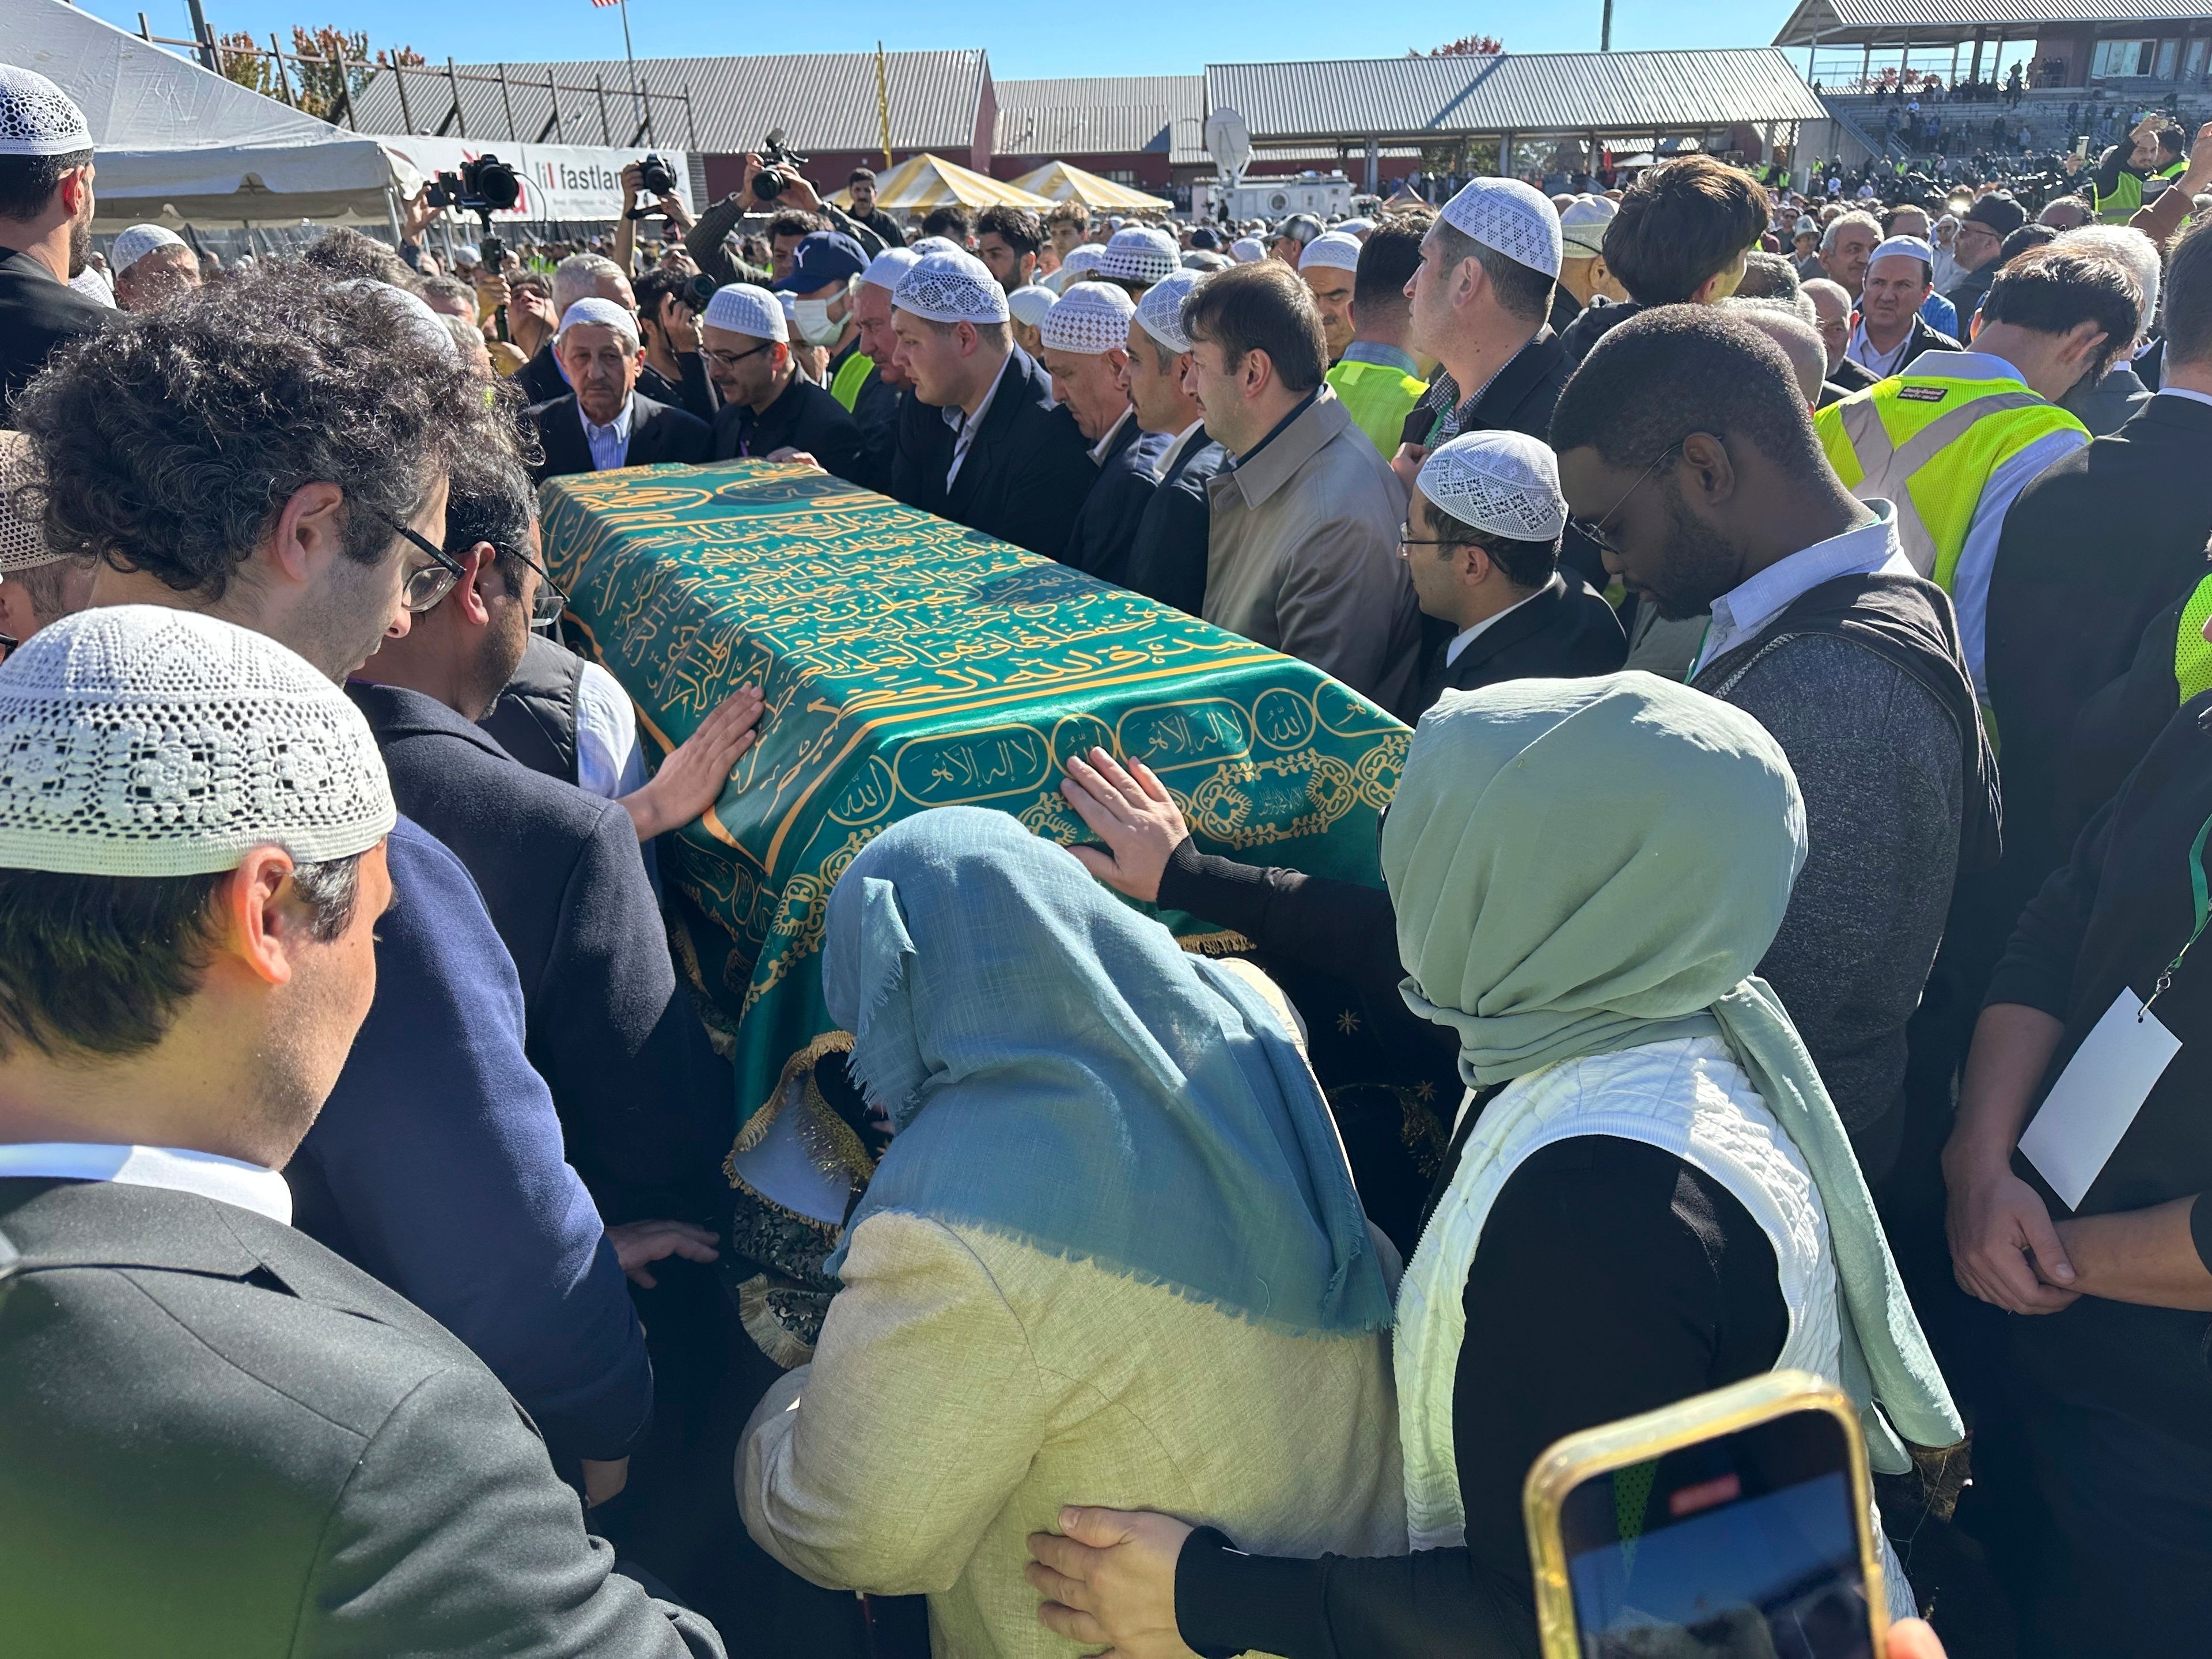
(822, 257)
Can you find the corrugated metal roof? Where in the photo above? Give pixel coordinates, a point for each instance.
(1117, 115)
(1513, 93)
(1854, 21)
(823, 100)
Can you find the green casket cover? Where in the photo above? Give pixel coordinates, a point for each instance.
(907, 663)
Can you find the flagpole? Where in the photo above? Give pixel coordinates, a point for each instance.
(636, 98)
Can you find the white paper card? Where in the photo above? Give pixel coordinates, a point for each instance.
(2098, 1096)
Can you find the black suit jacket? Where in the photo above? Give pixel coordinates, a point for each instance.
(1565, 632)
(219, 1441)
(37, 313)
(644, 1104)
(802, 416)
(2091, 552)
(541, 378)
(1167, 558)
(1106, 529)
(657, 432)
(1026, 472)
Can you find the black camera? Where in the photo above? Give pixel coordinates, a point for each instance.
(655, 177)
(772, 179)
(698, 290)
(485, 186)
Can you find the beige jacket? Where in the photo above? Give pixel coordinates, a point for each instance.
(1302, 555)
(966, 1386)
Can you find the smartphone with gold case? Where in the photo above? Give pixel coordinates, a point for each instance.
(1735, 1525)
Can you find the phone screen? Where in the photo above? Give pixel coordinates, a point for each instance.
(1744, 1546)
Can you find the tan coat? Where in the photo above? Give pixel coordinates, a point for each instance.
(1302, 555)
(966, 1386)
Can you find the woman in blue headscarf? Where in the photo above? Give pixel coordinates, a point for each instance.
(1112, 1251)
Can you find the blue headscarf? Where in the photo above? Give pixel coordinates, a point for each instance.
(1060, 1072)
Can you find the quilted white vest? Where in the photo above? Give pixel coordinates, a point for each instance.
(1687, 1096)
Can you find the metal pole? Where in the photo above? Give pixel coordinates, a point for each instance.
(636, 98)
(1605, 29)
(145, 29)
(399, 80)
(606, 133)
(883, 106)
(690, 120)
(205, 36)
(283, 80)
(506, 101)
(459, 117)
(553, 92)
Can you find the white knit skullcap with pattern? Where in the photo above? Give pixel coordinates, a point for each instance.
(92, 282)
(887, 267)
(139, 740)
(952, 287)
(37, 118)
(1582, 225)
(1516, 219)
(22, 537)
(1139, 254)
(1336, 250)
(923, 247)
(1029, 303)
(749, 309)
(606, 314)
(1160, 312)
(1504, 484)
(1091, 319)
(1082, 261)
(1246, 250)
(136, 243)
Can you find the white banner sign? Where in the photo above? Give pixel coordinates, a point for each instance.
(559, 181)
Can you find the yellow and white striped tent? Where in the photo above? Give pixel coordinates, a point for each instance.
(922, 182)
(1062, 181)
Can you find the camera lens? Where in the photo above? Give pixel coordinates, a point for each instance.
(769, 184)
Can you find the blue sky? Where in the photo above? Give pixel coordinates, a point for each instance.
(1038, 37)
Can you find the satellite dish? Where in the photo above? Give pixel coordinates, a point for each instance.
(1228, 141)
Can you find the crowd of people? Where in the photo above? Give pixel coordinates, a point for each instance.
(1784, 958)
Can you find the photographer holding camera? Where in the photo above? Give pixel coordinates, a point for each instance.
(761, 189)
(648, 180)
(668, 306)
(862, 187)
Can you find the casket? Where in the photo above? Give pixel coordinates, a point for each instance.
(910, 663)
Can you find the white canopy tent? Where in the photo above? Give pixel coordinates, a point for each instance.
(175, 142)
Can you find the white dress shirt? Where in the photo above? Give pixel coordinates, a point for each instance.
(610, 444)
(1098, 450)
(1473, 631)
(226, 1180)
(1190, 435)
(609, 761)
(1740, 613)
(1861, 350)
(2184, 391)
(1970, 582)
(965, 425)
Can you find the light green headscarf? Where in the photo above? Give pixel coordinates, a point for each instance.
(1581, 866)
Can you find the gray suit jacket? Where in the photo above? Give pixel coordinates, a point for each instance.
(217, 1439)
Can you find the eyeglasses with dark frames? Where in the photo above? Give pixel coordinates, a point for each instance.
(426, 584)
(1595, 528)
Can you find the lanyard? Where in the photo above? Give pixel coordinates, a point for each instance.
(2200, 894)
(1698, 656)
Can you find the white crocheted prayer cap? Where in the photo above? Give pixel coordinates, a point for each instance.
(1516, 219)
(37, 118)
(1246, 249)
(747, 308)
(1091, 319)
(1360, 228)
(22, 537)
(1029, 303)
(411, 311)
(1582, 225)
(93, 284)
(136, 243)
(1139, 254)
(887, 267)
(1504, 484)
(1160, 312)
(607, 313)
(1913, 248)
(138, 740)
(1336, 250)
(952, 287)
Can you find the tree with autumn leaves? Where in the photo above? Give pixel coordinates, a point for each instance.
(324, 65)
(1467, 45)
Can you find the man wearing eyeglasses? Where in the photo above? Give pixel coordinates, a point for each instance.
(306, 501)
(769, 410)
(1982, 231)
(606, 422)
(644, 1104)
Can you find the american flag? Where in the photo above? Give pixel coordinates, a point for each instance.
(606, 3)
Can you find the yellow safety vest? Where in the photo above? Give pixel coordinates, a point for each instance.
(2126, 196)
(2192, 657)
(1378, 398)
(851, 374)
(1928, 443)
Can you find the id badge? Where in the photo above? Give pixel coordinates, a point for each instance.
(2097, 1096)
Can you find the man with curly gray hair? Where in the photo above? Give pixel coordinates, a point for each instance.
(275, 452)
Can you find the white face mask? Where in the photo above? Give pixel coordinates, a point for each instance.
(816, 325)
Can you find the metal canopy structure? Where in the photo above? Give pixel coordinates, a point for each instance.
(1946, 22)
(1416, 99)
